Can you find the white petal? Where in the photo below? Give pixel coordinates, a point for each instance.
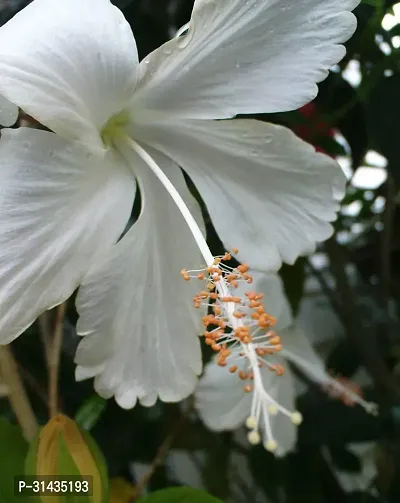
(142, 330)
(71, 64)
(268, 193)
(242, 57)
(58, 209)
(8, 112)
(224, 405)
(298, 349)
(220, 400)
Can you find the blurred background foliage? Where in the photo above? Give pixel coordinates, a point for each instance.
(346, 297)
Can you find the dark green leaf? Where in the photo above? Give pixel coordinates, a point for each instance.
(90, 412)
(13, 449)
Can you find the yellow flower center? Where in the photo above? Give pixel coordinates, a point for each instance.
(114, 128)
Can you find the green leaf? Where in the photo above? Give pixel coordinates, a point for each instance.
(13, 449)
(180, 495)
(90, 412)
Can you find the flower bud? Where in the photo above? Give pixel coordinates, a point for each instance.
(60, 450)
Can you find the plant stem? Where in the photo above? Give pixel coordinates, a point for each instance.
(54, 359)
(16, 393)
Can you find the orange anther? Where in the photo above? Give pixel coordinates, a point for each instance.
(217, 260)
(275, 340)
(216, 347)
(235, 251)
(236, 300)
(248, 388)
(239, 315)
(209, 319)
(233, 369)
(200, 275)
(242, 268)
(213, 295)
(217, 310)
(242, 332)
(251, 295)
(242, 375)
(278, 369)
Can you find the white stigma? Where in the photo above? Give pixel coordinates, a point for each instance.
(271, 445)
(254, 437)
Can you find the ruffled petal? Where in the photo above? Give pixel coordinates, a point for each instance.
(70, 64)
(58, 209)
(243, 57)
(141, 331)
(8, 112)
(268, 193)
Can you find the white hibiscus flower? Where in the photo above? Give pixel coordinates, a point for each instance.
(66, 194)
(228, 400)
